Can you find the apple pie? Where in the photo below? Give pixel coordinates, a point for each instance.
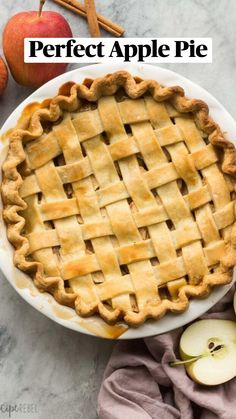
(119, 198)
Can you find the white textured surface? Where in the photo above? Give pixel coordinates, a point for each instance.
(41, 362)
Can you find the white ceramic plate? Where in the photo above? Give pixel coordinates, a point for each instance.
(44, 302)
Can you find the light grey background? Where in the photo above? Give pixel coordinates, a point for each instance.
(40, 362)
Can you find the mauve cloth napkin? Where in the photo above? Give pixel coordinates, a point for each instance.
(139, 383)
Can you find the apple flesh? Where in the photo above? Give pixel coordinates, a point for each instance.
(33, 24)
(208, 350)
(3, 76)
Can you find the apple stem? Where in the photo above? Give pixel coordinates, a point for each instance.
(41, 4)
(187, 361)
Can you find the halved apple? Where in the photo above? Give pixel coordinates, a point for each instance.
(208, 351)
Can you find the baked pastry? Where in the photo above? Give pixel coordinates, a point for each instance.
(119, 198)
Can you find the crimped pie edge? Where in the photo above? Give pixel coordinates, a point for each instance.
(13, 203)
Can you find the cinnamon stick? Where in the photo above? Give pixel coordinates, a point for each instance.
(92, 18)
(78, 8)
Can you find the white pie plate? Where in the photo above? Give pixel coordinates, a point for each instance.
(44, 302)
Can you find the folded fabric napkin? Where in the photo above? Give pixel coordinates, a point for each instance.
(140, 384)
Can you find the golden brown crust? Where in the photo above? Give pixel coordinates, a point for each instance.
(69, 100)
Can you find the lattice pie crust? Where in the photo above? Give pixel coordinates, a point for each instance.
(119, 198)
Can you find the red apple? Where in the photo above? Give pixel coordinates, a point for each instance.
(39, 25)
(3, 76)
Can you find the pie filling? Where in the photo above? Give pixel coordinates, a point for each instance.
(126, 208)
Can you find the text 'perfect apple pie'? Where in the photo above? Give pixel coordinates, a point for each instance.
(119, 198)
